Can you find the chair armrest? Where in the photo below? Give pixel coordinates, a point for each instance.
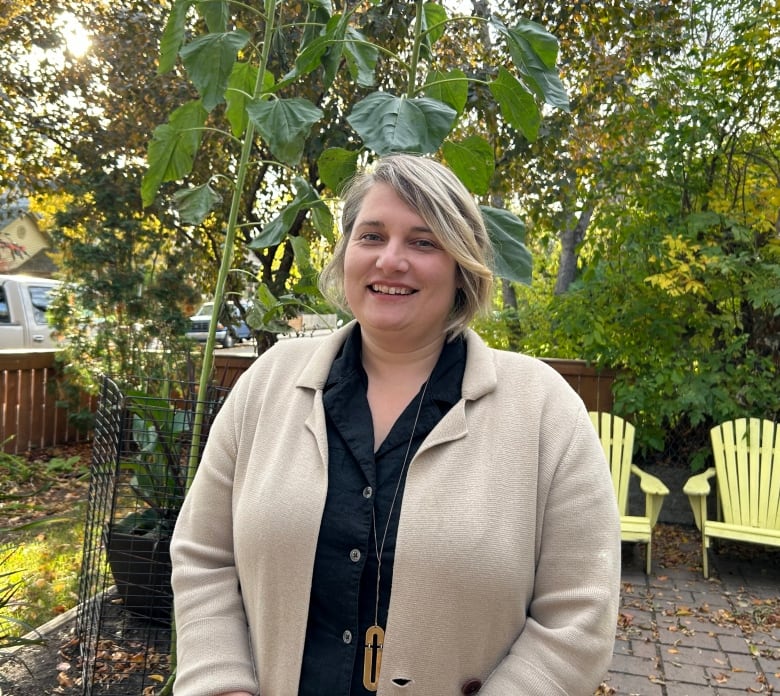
(649, 484)
(697, 488)
(655, 491)
(699, 484)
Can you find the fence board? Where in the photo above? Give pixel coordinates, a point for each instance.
(10, 425)
(30, 415)
(594, 385)
(30, 385)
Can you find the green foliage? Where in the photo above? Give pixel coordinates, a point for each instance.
(221, 65)
(283, 130)
(39, 577)
(126, 293)
(12, 629)
(663, 194)
(159, 433)
(39, 558)
(689, 316)
(507, 231)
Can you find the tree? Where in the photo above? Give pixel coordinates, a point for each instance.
(681, 261)
(73, 137)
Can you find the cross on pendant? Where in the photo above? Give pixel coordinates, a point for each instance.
(372, 658)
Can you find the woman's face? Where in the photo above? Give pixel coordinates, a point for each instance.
(397, 276)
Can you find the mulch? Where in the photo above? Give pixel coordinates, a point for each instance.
(42, 497)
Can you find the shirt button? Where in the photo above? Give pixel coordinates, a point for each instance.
(347, 637)
(354, 555)
(368, 492)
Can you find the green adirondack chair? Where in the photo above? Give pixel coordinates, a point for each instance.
(747, 472)
(617, 439)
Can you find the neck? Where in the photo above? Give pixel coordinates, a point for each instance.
(382, 361)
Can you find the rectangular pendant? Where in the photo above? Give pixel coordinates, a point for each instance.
(372, 658)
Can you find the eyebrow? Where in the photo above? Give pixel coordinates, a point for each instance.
(379, 223)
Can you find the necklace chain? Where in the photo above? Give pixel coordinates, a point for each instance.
(377, 548)
(375, 634)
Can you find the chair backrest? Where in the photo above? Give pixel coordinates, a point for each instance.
(617, 440)
(747, 467)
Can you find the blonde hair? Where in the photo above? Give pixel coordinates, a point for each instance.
(448, 209)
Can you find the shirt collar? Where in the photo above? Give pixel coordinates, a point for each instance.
(446, 378)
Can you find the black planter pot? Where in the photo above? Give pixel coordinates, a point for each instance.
(141, 566)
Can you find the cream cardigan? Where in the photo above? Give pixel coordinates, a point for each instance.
(507, 567)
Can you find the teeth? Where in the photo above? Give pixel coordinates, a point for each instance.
(387, 290)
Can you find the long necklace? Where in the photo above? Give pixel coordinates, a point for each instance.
(375, 635)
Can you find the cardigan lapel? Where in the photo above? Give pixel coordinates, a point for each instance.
(479, 379)
(315, 374)
(313, 377)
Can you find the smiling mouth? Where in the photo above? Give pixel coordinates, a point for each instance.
(388, 290)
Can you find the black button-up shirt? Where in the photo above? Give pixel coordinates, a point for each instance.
(343, 594)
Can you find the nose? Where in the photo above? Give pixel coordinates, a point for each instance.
(392, 258)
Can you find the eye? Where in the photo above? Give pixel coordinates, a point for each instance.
(425, 244)
(369, 237)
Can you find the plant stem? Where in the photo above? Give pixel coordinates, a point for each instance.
(418, 23)
(227, 254)
(219, 293)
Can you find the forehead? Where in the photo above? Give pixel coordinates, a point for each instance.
(382, 204)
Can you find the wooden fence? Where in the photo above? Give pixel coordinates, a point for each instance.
(594, 385)
(30, 386)
(30, 415)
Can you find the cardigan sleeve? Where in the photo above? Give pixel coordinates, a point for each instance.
(566, 645)
(213, 646)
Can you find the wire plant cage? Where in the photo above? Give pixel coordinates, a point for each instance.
(140, 461)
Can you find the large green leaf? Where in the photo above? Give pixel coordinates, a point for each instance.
(322, 218)
(216, 13)
(173, 35)
(308, 280)
(209, 62)
(472, 161)
(517, 104)
(241, 87)
(332, 58)
(194, 204)
(541, 42)
(284, 124)
(308, 60)
(434, 16)
(327, 48)
(320, 47)
(317, 16)
(172, 148)
(361, 57)
(387, 123)
(274, 232)
(507, 232)
(451, 88)
(532, 50)
(337, 166)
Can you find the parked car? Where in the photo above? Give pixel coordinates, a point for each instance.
(226, 335)
(23, 304)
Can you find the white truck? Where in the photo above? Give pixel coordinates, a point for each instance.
(23, 304)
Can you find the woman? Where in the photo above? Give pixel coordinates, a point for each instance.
(396, 507)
